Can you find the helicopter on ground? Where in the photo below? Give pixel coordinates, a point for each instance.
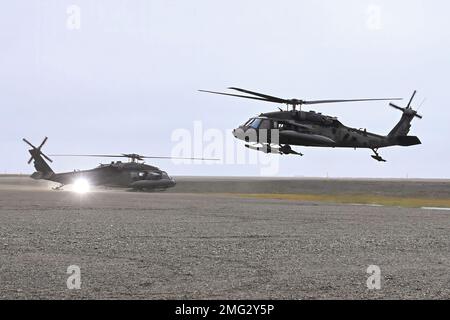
(133, 174)
(275, 132)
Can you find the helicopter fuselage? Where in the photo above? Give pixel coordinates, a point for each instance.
(116, 174)
(308, 128)
(275, 132)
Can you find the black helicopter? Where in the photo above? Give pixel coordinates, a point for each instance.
(308, 128)
(133, 174)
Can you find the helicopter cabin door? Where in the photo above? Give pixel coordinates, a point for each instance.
(265, 130)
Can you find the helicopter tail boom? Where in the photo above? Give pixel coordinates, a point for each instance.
(402, 127)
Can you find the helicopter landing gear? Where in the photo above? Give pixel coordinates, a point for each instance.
(377, 156)
(58, 187)
(286, 149)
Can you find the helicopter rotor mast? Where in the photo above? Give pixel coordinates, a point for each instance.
(289, 102)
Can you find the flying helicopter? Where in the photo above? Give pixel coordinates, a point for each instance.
(275, 132)
(133, 174)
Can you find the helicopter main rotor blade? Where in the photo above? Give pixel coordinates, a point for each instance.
(347, 100)
(239, 96)
(294, 102)
(89, 155)
(131, 156)
(267, 97)
(178, 158)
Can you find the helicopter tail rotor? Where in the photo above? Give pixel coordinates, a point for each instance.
(408, 109)
(401, 129)
(36, 151)
(43, 170)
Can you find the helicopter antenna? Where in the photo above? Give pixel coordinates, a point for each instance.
(289, 102)
(421, 104)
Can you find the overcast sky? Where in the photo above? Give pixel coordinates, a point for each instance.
(126, 77)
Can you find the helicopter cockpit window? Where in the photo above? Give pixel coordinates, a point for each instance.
(265, 124)
(255, 123)
(248, 122)
(164, 174)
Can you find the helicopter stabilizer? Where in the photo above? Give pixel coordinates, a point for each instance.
(407, 141)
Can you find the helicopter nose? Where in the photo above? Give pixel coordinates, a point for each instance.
(236, 132)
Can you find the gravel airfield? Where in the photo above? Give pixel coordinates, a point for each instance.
(199, 242)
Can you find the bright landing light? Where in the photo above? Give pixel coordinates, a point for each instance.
(81, 186)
